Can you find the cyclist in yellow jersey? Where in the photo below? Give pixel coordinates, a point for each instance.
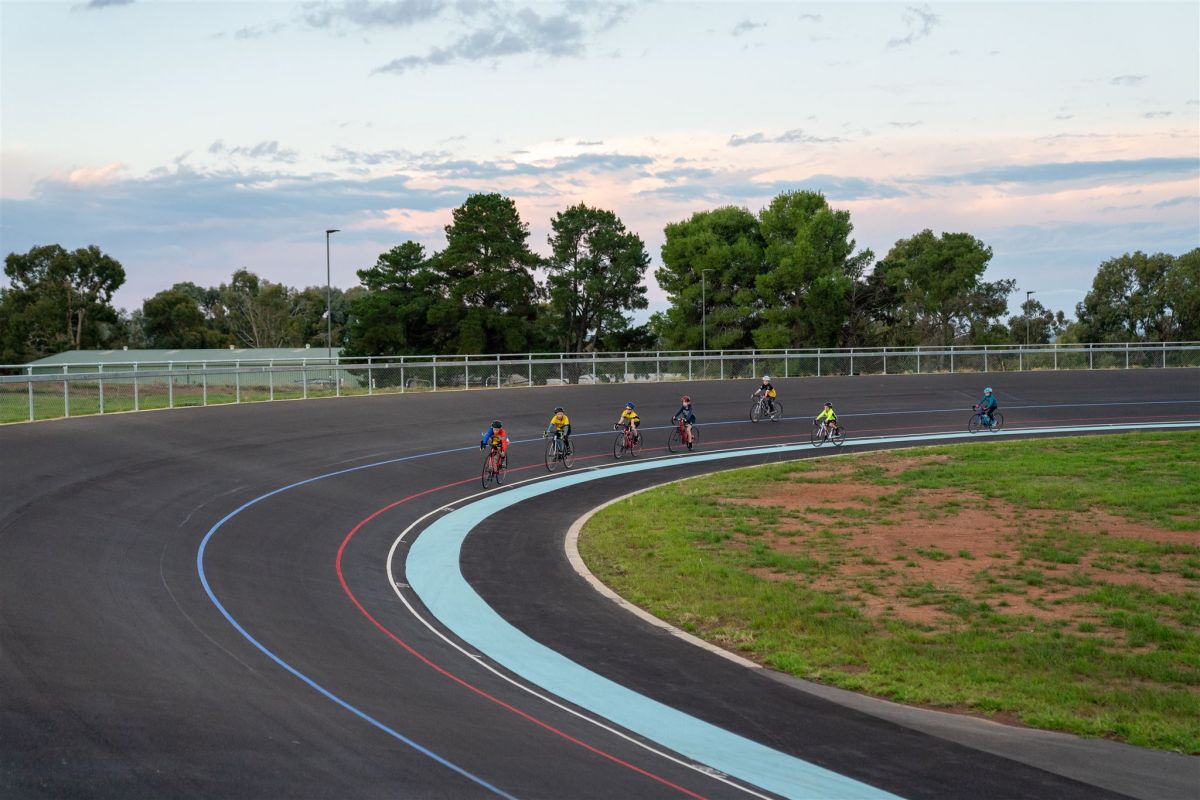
(560, 423)
(828, 416)
(629, 416)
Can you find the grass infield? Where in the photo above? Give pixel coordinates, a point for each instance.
(1053, 583)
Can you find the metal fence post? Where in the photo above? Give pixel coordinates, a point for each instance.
(657, 365)
(204, 383)
(237, 381)
(29, 383)
(562, 378)
(721, 355)
(918, 360)
(1127, 355)
(1164, 354)
(885, 361)
(689, 365)
(1090, 357)
(754, 362)
(818, 362)
(529, 364)
(625, 374)
(66, 394)
(985, 358)
(402, 375)
(951, 359)
(785, 364)
(466, 372)
(497, 370)
(1021, 359)
(100, 371)
(596, 375)
(1056, 357)
(851, 361)
(136, 399)
(435, 373)
(337, 377)
(170, 384)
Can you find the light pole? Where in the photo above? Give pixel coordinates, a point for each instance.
(1028, 294)
(328, 300)
(703, 313)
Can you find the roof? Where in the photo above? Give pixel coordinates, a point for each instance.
(197, 355)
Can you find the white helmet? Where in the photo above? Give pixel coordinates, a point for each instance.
(766, 378)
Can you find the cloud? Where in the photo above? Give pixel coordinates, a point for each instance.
(747, 25)
(266, 150)
(1074, 171)
(98, 4)
(466, 169)
(811, 18)
(1128, 80)
(363, 14)
(585, 143)
(794, 136)
(1064, 116)
(506, 33)
(1156, 114)
(920, 22)
(258, 31)
(1182, 200)
(905, 124)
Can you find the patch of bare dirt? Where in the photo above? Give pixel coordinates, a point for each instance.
(916, 555)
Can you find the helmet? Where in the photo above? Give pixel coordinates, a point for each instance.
(685, 399)
(630, 405)
(988, 390)
(829, 405)
(766, 378)
(558, 409)
(496, 424)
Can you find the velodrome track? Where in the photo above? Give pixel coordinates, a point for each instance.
(196, 603)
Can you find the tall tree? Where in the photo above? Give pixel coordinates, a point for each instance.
(1036, 323)
(1183, 293)
(595, 275)
(172, 319)
(711, 263)
(811, 274)
(937, 286)
(258, 310)
(1135, 297)
(391, 315)
(487, 270)
(58, 300)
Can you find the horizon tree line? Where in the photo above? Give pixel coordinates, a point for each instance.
(790, 276)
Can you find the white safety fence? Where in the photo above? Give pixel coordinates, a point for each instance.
(30, 393)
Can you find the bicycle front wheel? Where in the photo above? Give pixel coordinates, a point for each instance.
(551, 455)
(974, 423)
(756, 412)
(489, 472)
(568, 455)
(619, 446)
(675, 441)
(815, 437)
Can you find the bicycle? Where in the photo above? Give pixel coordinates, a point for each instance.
(494, 467)
(628, 442)
(681, 437)
(558, 451)
(760, 408)
(976, 423)
(821, 434)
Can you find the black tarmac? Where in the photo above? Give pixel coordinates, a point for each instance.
(120, 677)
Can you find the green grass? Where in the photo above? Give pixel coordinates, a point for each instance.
(1129, 669)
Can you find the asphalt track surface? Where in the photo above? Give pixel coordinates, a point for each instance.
(308, 677)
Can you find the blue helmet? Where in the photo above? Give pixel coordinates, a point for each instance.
(630, 405)
(988, 390)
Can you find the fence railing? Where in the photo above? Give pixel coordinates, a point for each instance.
(29, 392)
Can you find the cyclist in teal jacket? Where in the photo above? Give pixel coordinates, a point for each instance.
(987, 406)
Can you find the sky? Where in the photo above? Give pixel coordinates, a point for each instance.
(191, 139)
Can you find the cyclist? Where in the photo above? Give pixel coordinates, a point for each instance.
(560, 424)
(767, 391)
(685, 413)
(987, 406)
(829, 418)
(496, 436)
(629, 416)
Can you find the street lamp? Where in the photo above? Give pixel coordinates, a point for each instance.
(328, 299)
(1028, 294)
(703, 313)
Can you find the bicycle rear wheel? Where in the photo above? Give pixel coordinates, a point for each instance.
(777, 412)
(997, 420)
(838, 436)
(551, 455)
(635, 446)
(675, 441)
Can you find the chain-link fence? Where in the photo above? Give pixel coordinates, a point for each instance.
(35, 392)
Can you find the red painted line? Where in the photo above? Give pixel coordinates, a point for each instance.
(460, 681)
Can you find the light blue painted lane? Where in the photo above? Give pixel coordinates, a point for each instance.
(432, 570)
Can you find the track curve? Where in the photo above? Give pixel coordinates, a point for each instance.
(120, 677)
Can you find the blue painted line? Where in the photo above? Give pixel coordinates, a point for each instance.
(297, 673)
(432, 570)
